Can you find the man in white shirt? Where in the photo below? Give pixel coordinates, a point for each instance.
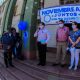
(42, 35)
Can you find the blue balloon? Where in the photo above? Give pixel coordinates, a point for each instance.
(22, 25)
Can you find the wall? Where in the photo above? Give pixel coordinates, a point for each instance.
(49, 3)
(52, 28)
(16, 18)
(2, 7)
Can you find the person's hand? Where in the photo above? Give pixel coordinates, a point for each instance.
(44, 43)
(73, 45)
(38, 30)
(17, 44)
(8, 47)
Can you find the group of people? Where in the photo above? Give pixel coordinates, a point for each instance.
(12, 45)
(66, 40)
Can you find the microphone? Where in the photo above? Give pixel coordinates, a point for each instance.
(38, 29)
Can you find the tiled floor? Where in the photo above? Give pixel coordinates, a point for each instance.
(28, 70)
(57, 71)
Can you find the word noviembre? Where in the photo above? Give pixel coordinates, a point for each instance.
(60, 10)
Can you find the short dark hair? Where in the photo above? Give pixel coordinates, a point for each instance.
(61, 21)
(13, 29)
(75, 22)
(42, 23)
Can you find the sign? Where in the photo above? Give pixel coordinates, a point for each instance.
(67, 13)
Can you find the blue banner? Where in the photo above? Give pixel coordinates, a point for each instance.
(67, 13)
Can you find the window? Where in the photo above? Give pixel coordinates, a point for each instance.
(62, 2)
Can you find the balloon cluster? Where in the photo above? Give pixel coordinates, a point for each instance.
(22, 25)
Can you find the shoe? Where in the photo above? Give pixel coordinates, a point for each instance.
(70, 67)
(43, 64)
(12, 65)
(63, 65)
(75, 68)
(55, 64)
(39, 64)
(6, 66)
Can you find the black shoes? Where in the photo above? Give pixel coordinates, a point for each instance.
(63, 65)
(55, 64)
(41, 64)
(6, 66)
(12, 65)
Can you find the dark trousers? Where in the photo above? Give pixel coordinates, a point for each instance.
(19, 53)
(13, 52)
(7, 57)
(42, 53)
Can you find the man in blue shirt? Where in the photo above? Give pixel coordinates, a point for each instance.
(7, 42)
